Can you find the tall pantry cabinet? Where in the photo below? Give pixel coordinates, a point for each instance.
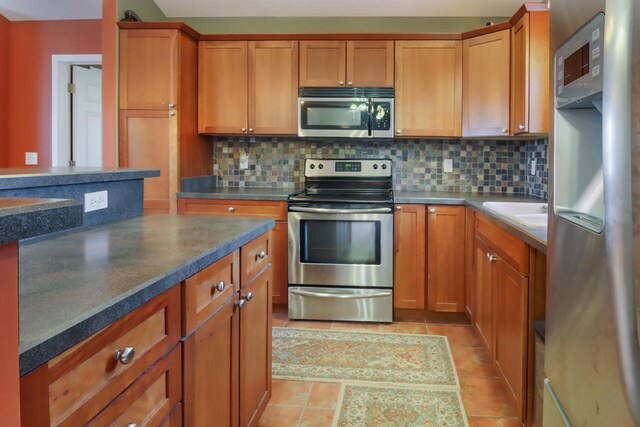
(159, 109)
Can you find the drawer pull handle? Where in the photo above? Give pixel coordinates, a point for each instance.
(232, 209)
(262, 255)
(248, 296)
(240, 303)
(132, 425)
(125, 356)
(220, 286)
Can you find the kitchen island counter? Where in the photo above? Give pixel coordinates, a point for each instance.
(21, 218)
(74, 285)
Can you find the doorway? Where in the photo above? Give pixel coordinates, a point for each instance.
(76, 108)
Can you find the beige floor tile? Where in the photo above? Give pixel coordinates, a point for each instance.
(280, 416)
(287, 392)
(324, 395)
(317, 417)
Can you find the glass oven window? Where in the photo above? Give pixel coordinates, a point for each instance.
(340, 242)
(334, 115)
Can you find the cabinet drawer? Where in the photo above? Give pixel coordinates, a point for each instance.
(150, 399)
(513, 250)
(87, 377)
(262, 209)
(201, 292)
(255, 256)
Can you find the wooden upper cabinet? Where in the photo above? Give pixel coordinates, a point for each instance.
(337, 63)
(222, 87)
(530, 74)
(445, 258)
(273, 87)
(409, 256)
(148, 69)
(370, 63)
(248, 87)
(428, 85)
(486, 84)
(323, 63)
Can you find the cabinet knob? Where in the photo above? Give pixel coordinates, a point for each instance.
(172, 113)
(125, 356)
(240, 303)
(232, 209)
(399, 131)
(504, 130)
(398, 208)
(243, 129)
(432, 210)
(248, 296)
(250, 129)
(171, 105)
(350, 83)
(491, 258)
(262, 255)
(521, 127)
(341, 83)
(220, 286)
(132, 425)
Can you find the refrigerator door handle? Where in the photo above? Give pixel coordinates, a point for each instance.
(616, 121)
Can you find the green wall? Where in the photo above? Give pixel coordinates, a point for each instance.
(149, 11)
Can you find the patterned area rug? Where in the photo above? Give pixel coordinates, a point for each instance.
(363, 357)
(363, 405)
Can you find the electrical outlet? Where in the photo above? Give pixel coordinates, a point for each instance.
(448, 165)
(96, 201)
(31, 158)
(533, 167)
(244, 160)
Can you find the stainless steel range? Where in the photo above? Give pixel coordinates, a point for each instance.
(341, 242)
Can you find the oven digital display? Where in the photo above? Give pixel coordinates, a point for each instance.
(348, 166)
(576, 65)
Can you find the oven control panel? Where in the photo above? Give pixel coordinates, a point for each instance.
(342, 167)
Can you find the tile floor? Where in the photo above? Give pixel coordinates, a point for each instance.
(312, 404)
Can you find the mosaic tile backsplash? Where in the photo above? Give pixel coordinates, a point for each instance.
(478, 165)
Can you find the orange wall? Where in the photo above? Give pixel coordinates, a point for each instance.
(4, 91)
(9, 368)
(109, 78)
(31, 44)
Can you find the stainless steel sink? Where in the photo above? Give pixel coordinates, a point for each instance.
(532, 215)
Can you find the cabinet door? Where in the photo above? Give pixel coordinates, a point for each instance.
(520, 76)
(210, 373)
(530, 74)
(222, 87)
(445, 258)
(485, 78)
(147, 139)
(322, 63)
(409, 256)
(273, 87)
(485, 288)
(370, 63)
(148, 69)
(255, 348)
(428, 88)
(470, 266)
(280, 236)
(511, 333)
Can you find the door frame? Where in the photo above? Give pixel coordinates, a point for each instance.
(60, 111)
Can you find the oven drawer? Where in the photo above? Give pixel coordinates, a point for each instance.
(363, 305)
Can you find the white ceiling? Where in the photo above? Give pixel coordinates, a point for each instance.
(22, 10)
(33, 10)
(221, 8)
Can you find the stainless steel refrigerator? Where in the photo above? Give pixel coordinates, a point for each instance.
(592, 356)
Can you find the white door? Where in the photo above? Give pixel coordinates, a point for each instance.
(87, 116)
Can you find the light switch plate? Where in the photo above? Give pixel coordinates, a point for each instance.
(448, 166)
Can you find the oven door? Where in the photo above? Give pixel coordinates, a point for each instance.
(347, 117)
(341, 247)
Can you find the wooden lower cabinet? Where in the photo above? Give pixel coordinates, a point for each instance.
(255, 348)
(485, 287)
(511, 333)
(445, 258)
(409, 256)
(211, 370)
(470, 263)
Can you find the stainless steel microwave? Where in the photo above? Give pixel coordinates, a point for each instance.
(346, 112)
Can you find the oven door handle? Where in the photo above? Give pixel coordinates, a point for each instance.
(340, 296)
(339, 211)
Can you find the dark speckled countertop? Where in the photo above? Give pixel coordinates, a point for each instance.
(21, 218)
(46, 176)
(244, 193)
(74, 285)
